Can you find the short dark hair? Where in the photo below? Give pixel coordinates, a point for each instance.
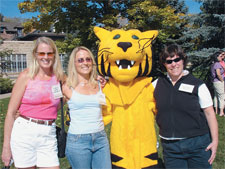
(171, 51)
(216, 54)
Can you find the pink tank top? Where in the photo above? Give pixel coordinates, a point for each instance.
(38, 101)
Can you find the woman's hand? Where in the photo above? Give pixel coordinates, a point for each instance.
(6, 155)
(67, 92)
(102, 81)
(213, 147)
(17, 114)
(213, 126)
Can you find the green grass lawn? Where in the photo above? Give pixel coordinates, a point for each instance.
(219, 162)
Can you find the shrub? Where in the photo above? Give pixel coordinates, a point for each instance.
(5, 85)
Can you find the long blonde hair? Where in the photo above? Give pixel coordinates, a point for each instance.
(72, 79)
(57, 67)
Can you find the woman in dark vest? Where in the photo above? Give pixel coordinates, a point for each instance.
(186, 118)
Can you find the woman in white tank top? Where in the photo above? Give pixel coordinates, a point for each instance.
(87, 144)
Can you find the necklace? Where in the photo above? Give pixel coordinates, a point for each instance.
(83, 83)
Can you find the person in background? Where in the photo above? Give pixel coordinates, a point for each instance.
(87, 143)
(222, 61)
(223, 65)
(30, 140)
(217, 72)
(186, 118)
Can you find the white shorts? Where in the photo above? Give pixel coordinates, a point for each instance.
(33, 144)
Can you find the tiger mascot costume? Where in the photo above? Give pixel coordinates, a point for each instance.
(126, 58)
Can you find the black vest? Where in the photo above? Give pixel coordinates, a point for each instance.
(179, 113)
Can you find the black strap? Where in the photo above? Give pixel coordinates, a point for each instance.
(62, 115)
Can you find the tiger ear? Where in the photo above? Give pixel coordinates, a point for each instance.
(150, 34)
(147, 37)
(101, 33)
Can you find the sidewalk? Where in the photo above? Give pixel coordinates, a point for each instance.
(3, 96)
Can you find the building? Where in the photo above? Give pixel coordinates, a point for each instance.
(10, 31)
(21, 45)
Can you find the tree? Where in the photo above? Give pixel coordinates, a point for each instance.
(203, 36)
(77, 19)
(73, 17)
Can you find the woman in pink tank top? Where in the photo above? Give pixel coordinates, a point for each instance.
(30, 139)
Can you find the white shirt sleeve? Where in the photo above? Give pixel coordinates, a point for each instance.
(204, 96)
(154, 83)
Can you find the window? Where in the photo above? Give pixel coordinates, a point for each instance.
(63, 61)
(2, 28)
(18, 62)
(19, 32)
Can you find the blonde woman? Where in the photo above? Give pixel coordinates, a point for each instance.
(30, 140)
(87, 144)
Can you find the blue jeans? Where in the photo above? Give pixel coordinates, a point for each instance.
(88, 151)
(187, 153)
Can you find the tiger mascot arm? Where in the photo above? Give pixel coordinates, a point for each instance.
(107, 112)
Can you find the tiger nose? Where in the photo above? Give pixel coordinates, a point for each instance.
(124, 45)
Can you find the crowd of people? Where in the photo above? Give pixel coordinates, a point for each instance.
(187, 121)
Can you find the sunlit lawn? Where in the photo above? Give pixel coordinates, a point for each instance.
(219, 162)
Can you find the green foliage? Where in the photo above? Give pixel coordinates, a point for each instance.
(73, 17)
(5, 85)
(145, 15)
(77, 18)
(3, 109)
(68, 44)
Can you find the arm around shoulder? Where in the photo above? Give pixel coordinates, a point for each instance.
(67, 91)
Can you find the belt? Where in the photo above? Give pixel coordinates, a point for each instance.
(44, 122)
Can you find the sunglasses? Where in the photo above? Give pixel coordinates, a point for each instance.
(81, 60)
(50, 54)
(174, 60)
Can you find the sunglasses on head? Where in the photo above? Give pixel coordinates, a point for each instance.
(81, 60)
(174, 60)
(50, 54)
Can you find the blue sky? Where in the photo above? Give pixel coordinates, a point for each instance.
(194, 7)
(9, 8)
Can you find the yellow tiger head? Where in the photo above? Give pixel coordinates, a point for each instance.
(124, 55)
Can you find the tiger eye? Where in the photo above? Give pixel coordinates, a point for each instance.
(116, 36)
(135, 37)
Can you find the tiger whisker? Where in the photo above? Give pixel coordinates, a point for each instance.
(145, 46)
(104, 51)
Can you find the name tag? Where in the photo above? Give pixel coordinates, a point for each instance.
(101, 99)
(186, 88)
(56, 91)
